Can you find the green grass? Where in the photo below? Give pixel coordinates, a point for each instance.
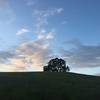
(48, 86)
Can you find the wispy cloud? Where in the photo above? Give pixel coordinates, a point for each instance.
(59, 10)
(48, 36)
(28, 56)
(31, 55)
(30, 2)
(82, 55)
(42, 16)
(21, 31)
(37, 52)
(5, 55)
(47, 12)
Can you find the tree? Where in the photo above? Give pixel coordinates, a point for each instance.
(56, 65)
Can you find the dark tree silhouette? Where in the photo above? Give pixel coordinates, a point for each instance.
(56, 65)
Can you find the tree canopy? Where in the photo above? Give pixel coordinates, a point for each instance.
(56, 65)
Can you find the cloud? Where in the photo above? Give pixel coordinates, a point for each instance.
(47, 12)
(35, 53)
(30, 2)
(29, 48)
(75, 42)
(11, 68)
(59, 10)
(19, 63)
(31, 55)
(47, 36)
(7, 68)
(42, 16)
(5, 56)
(28, 56)
(21, 31)
(82, 55)
(50, 35)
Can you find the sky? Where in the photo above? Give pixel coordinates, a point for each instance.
(34, 31)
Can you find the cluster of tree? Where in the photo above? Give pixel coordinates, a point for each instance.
(56, 65)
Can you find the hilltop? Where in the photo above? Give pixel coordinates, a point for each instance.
(48, 86)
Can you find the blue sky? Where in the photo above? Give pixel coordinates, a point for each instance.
(34, 31)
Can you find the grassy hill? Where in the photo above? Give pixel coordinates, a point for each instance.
(48, 86)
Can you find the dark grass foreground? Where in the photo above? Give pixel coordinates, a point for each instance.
(48, 86)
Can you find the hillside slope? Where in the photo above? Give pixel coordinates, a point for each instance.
(48, 86)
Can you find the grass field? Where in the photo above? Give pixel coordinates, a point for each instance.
(48, 86)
